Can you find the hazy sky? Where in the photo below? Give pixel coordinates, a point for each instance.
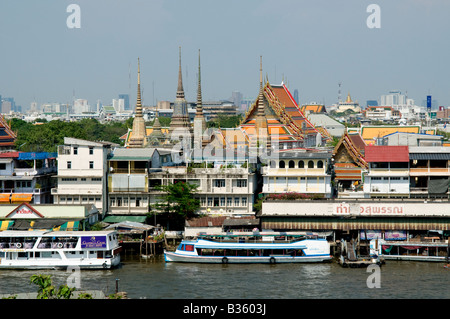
(314, 45)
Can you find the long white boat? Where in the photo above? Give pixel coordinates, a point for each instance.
(59, 249)
(210, 251)
(430, 250)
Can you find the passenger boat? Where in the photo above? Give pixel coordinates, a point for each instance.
(59, 249)
(250, 250)
(430, 250)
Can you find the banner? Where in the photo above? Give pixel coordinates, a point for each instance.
(93, 241)
(395, 235)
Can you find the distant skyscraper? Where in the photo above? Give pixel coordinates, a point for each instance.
(393, 98)
(126, 100)
(296, 96)
(372, 103)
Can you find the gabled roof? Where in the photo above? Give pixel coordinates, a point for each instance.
(285, 120)
(384, 153)
(354, 146)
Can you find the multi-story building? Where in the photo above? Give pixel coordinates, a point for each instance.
(388, 171)
(82, 173)
(299, 171)
(26, 177)
(226, 189)
(429, 171)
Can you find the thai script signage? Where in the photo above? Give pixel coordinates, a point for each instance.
(381, 209)
(93, 241)
(345, 209)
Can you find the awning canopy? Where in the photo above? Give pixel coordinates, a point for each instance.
(335, 223)
(4, 198)
(121, 218)
(21, 198)
(45, 224)
(6, 224)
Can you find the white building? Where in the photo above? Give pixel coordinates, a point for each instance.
(82, 173)
(298, 171)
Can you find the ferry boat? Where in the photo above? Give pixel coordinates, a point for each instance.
(59, 249)
(250, 250)
(430, 250)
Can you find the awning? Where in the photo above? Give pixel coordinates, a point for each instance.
(4, 198)
(71, 225)
(330, 223)
(429, 156)
(121, 218)
(5, 224)
(21, 198)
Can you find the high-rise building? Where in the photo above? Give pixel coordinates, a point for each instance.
(126, 101)
(393, 98)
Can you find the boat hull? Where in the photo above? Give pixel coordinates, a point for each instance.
(80, 264)
(174, 257)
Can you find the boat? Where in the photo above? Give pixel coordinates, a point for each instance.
(59, 249)
(423, 250)
(243, 249)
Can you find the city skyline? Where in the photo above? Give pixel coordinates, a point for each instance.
(312, 46)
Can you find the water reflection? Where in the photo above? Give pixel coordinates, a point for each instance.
(153, 278)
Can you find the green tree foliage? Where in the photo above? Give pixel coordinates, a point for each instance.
(46, 290)
(225, 121)
(46, 137)
(177, 204)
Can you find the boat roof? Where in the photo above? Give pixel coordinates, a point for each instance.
(37, 233)
(207, 244)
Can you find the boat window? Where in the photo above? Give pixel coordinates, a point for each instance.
(181, 247)
(189, 247)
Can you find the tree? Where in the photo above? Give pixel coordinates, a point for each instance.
(177, 204)
(47, 291)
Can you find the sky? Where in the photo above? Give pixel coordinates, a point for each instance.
(311, 45)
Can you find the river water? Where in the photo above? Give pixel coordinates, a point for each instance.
(154, 279)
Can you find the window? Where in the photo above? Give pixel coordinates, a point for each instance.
(229, 201)
(236, 201)
(222, 201)
(216, 201)
(241, 183)
(310, 164)
(91, 164)
(282, 164)
(75, 150)
(301, 164)
(272, 164)
(69, 164)
(96, 179)
(2, 166)
(68, 179)
(91, 150)
(203, 201)
(219, 183)
(291, 164)
(83, 179)
(244, 201)
(210, 201)
(319, 164)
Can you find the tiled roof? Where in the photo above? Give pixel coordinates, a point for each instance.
(384, 153)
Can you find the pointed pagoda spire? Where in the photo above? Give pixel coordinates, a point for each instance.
(260, 111)
(199, 109)
(138, 99)
(180, 90)
(138, 133)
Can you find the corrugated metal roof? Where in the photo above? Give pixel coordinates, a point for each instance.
(429, 156)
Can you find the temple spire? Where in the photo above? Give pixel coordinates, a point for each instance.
(138, 99)
(180, 90)
(199, 109)
(138, 133)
